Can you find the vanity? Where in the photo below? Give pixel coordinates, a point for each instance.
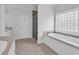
(5, 45)
(62, 44)
(7, 42)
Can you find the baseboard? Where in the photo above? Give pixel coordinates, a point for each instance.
(39, 42)
(18, 38)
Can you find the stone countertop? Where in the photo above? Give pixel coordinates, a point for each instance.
(9, 40)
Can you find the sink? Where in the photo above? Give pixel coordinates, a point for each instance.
(3, 45)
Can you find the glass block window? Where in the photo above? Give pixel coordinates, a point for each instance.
(67, 21)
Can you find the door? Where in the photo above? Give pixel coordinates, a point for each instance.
(35, 24)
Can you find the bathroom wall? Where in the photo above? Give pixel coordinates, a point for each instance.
(21, 22)
(45, 20)
(59, 8)
(64, 7)
(2, 20)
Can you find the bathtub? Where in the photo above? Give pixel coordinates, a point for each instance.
(62, 44)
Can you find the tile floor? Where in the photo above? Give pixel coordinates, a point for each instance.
(30, 47)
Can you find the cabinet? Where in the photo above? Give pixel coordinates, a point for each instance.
(12, 49)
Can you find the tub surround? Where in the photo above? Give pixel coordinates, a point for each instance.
(72, 41)
(62, 44)
(9, 41)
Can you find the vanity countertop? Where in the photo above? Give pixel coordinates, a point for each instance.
(9, 40)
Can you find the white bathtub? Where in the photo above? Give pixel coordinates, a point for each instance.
(64, 45)
(3, 45)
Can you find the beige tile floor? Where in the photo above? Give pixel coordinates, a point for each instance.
(30, 47)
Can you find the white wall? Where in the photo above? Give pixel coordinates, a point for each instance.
(20, 21)
(2, 20)
(45, 20)
(64, 7)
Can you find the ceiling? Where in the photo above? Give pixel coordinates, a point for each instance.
(58, 7)
(23, 6)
